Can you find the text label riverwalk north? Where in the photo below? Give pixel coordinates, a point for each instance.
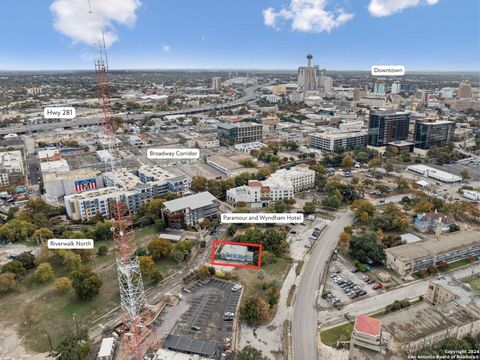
(261, 218)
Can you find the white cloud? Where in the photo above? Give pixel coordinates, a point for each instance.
(166, 48)
(73, 19)
(307, 16)
(381, 8)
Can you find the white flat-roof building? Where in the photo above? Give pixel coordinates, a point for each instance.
(104, 155)
(107, 349)
(247, 147)
(281, 185)
(472, 195)
(49, 154)
(54, 166)
(435, 174)
(59, 184)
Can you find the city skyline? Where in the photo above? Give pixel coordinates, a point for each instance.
(149, 35)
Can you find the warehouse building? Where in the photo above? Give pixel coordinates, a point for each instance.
(435, 174)
(409, 258)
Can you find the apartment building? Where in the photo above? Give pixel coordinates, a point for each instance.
(11, 168)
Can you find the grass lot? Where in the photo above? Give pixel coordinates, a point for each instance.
(39, 309)
(272, 271)
(474, 284)
(338, 333)
(458, 264)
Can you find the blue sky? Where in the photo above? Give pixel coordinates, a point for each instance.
(264, 34)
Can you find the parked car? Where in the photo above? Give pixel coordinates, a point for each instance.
(354, 270)
(227, 313)
(361, 293)
(195, 327)
(236, 287)
(377, 286)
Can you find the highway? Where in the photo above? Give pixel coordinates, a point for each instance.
(304, 327)
(97, 120)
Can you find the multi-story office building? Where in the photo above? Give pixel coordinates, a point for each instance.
(190, 210)
(238, 133)
(387, 126)
(11, 168)
(396, 87)
(308, 76)
(216, 83)
(378, 87)
(281, 185)
(338, 140)
(325, 83)
(464, 90)
(430, 132)
(59, 184)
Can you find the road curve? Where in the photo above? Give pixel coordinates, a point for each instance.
(304, 322)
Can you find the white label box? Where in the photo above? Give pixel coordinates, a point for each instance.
(173, 154)
(70, 244)
(388, 70)
(60, 112)
(261, 218)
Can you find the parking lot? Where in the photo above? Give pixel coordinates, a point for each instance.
(204, 317)
(344, 286)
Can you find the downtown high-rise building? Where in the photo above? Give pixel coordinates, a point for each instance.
(396, 87)
(308, 76)
(387, 126)
(464, 90)
(216, 83)
(429, 132)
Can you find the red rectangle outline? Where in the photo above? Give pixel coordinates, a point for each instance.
(214, 244)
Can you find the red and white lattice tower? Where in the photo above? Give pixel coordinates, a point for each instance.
(136, 315)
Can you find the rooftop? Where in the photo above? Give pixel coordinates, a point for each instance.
(192, 202)
(368, 325)
(439, 245)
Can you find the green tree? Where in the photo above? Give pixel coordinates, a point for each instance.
(17, 230)
(254, 310)
(14, 267)
(63, 284)
(347, 162)
(157, 276)
(465, 174)
(146, 265)
(7, 282)
(27, 259)
(86, 283)
(102, 250)
(74, 347)
(159, 248)
(198, 183)
(279, 206)
(44, 272)
(365, 246)
(309, 208)
(250, 353)
(41, 235)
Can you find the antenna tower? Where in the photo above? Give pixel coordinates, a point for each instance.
(136, 314)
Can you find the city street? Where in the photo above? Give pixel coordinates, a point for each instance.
(304, 319)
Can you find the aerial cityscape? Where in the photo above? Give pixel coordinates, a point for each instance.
(264, 180)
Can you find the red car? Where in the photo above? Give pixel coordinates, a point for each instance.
(377, 286)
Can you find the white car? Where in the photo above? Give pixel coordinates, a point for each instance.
(228, 313)
(236, 287)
